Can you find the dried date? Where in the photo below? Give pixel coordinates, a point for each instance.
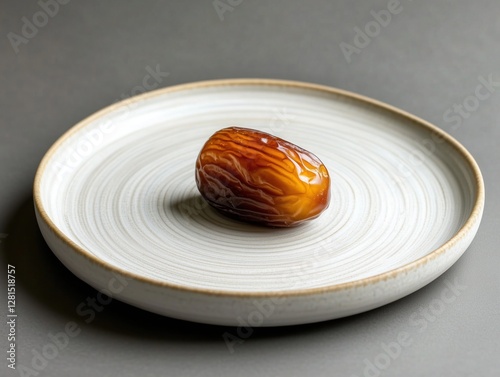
(257, 177)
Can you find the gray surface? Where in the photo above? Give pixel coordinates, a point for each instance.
(429, 57)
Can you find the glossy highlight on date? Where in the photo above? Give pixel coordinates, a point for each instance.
(259, 178)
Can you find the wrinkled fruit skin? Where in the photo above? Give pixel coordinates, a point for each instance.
(257, 177)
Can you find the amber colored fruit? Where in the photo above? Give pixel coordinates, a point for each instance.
(260, 178)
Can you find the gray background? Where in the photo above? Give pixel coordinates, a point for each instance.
(429, 57)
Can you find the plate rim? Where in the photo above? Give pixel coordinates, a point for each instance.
(474, 217)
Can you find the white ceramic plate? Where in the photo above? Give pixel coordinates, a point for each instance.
(117, 203)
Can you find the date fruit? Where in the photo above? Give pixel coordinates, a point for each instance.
(257, 177)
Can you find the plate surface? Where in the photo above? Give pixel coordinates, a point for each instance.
(117, 203)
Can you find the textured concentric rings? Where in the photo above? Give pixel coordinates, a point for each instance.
(116, 201)
(132, 202)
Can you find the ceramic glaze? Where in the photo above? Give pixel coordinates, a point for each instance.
(116, 196)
